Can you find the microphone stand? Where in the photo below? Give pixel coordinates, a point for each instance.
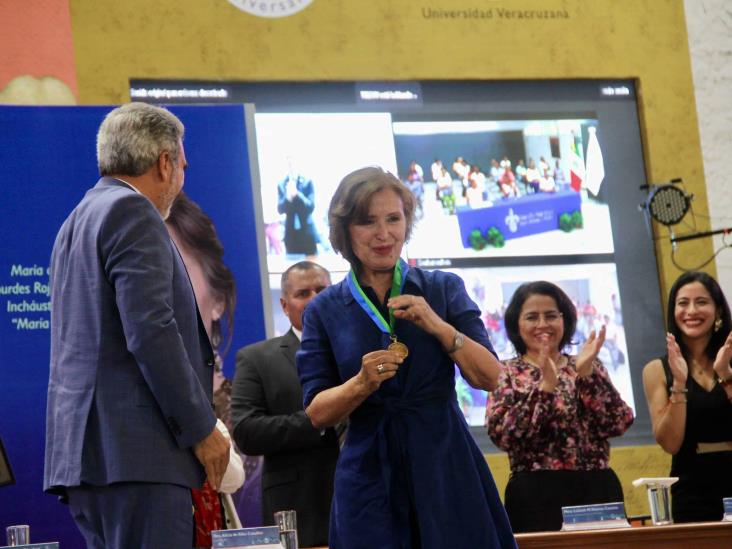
(677, 239)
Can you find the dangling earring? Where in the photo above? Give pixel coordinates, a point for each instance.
(717, 324)
(215, 335)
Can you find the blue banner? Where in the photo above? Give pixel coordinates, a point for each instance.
(48, 162)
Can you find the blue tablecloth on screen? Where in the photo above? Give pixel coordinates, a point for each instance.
(517, 217)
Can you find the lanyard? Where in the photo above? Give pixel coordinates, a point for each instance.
(397, 285)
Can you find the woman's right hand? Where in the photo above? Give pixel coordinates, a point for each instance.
(549, 370)
(677, 362)
(335, 404)
(377, 367)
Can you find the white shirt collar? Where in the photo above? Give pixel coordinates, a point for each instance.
(130, 185)
(298, 333)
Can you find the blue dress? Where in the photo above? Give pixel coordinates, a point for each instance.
(409, 474)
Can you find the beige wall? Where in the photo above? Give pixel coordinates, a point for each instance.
(710, 43)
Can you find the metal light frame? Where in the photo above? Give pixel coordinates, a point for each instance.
(668, 204)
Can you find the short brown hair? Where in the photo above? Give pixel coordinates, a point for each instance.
(350, 204)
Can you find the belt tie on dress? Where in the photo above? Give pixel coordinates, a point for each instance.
(393, 410)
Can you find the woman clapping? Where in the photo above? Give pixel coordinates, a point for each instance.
(554, 413)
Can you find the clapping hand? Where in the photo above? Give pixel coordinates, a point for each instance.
(676, 361)
(291, 189)
(721, 362)
(587, 356)
(549, 370)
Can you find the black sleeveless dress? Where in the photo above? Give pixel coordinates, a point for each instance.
(704, 478)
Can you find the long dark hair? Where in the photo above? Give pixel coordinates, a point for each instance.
(539, 287)
(198, 235)
(720, 302)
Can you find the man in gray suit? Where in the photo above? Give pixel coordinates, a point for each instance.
(130, 427)
(268, 417)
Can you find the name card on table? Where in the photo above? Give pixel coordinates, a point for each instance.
(266, 537)
(47, 545)
(727, 502)
(594, 517)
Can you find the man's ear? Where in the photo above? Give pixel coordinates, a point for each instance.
(164, 166)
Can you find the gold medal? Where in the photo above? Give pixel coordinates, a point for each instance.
(398, 347)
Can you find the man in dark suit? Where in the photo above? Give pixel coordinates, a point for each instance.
(296, 199)
(130, 426)
(268, 417)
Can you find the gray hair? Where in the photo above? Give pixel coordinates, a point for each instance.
(132, 138)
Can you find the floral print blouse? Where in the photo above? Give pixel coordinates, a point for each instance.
(568, 428)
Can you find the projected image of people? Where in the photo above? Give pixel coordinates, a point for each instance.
(554, 205)
(476, 193)
(591, 290)
(301, 157)
(414, 180)
(296, 200)
(507, 181)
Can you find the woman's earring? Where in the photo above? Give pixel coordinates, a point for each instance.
(717, 324)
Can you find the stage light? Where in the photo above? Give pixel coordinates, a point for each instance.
(668, 204)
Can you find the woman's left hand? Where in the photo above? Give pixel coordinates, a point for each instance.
(721, 362)
(589, 352)
(415, 309)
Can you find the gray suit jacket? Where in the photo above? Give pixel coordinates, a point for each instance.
(131, 366)
(268, 418)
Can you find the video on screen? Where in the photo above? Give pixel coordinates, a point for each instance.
(593, 289)
(515, 181)
(302, 158)
(502, 188)
(483, 188)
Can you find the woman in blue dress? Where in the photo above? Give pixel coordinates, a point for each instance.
(379, 349)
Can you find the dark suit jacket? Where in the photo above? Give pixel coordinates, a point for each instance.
(131, 366)
(300, 234)
(268, 418)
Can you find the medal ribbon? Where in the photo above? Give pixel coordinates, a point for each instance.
(397, 285)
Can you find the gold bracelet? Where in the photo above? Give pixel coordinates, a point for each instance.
(679, 391)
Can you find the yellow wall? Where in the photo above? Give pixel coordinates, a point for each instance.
(392, 39)
(628, 462)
